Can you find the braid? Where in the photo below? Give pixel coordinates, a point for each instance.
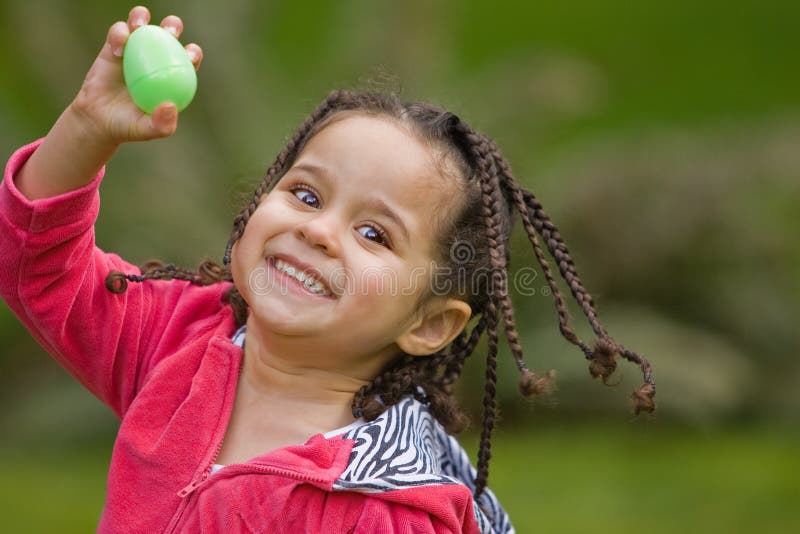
(530, 383)
(602, 356)
(519, 200)
(489, 402)
(492, 208)
(207, 273)
(453, 368)
(566, 266)
(385, 389)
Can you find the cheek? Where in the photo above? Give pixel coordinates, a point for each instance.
(247, 255)
(376, 283)
(271, 216)
(237, 270)
(381, 282)
(256, 232)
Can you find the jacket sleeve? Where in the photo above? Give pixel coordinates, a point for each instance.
(52, 276)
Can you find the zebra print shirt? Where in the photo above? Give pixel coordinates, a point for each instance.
(406, 447)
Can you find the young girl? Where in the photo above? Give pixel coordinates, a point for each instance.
(289, 390)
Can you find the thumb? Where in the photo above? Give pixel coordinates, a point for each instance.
(164, 120)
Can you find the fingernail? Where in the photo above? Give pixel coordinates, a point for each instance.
(172, 30)
(138, 22)
(117, 51)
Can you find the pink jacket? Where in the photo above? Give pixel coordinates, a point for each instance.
(161, 356)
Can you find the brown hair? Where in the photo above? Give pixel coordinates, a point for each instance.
(480, 222)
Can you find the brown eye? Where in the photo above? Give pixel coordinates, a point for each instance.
(306, 195)
(375, 233)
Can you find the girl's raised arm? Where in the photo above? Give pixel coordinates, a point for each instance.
(100, 118)
(53, 275)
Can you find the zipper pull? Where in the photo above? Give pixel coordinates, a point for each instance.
(193, 485)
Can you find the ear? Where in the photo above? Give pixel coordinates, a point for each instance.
(437, 327)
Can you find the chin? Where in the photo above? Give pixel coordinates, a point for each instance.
(280, 319)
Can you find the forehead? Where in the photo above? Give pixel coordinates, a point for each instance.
(362, 145)
(369, 155)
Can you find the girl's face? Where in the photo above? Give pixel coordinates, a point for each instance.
(356, 209)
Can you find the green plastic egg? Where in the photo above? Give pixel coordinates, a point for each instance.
(157, 69)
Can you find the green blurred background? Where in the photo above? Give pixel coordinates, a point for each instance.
(662, 137)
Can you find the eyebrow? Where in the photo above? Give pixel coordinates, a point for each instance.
(376, 204)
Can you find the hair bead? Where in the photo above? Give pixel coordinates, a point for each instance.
(603, 360)
(116, 282)
(530, 384)
(643, 399)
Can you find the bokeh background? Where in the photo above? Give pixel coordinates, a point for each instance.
(662, 137)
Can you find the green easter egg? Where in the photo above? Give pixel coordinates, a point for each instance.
(157, 69)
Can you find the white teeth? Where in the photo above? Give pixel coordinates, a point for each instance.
(311, 283)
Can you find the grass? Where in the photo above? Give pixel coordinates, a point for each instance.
(555, 480)
(596, 481)
(60, 492)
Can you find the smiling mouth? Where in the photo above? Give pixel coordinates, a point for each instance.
(308, 281)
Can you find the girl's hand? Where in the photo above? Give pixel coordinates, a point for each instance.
(103, 102)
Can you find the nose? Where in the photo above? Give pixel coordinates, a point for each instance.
(320, 232)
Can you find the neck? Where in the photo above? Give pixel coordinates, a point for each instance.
(289, 379)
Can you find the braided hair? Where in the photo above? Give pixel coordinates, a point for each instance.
(480, 218)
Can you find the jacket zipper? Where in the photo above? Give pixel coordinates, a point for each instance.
(233, 470)
(188, 490)
(199, 480)
(219, 438)
(194, 484)
(238, 469)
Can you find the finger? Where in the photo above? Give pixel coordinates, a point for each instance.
(195, 54)
(117, 35)
(164, 119)
(173, 24)
(139, 16)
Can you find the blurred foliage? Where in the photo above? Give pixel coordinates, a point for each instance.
(661, 137)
